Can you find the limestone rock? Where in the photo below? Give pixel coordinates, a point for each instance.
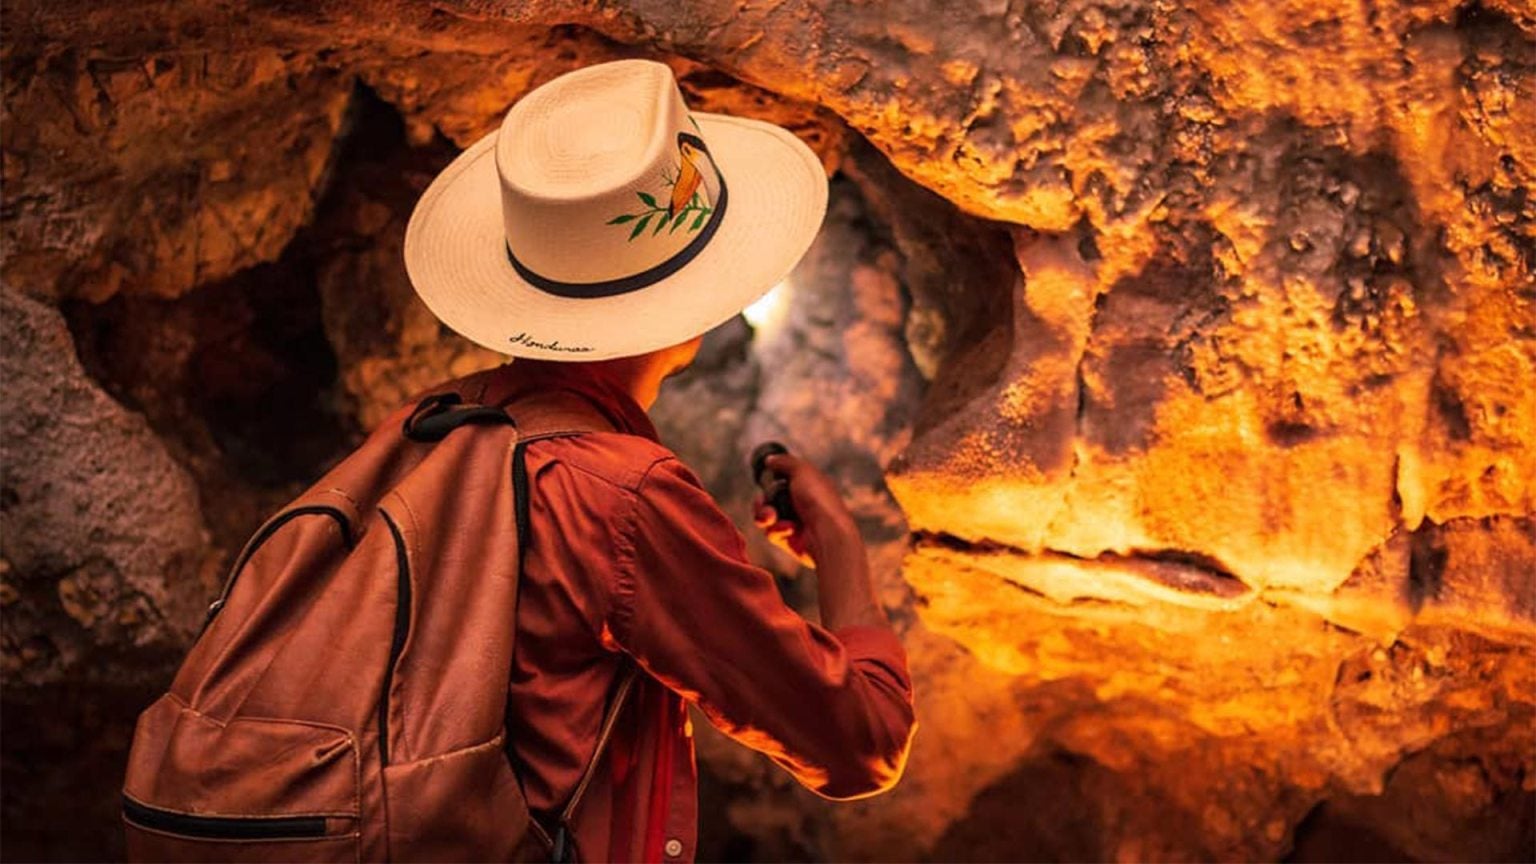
(148, 173)
(103, 539)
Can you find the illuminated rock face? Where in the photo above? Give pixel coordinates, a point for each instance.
(1178, 359)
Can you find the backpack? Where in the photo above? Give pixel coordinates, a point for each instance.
(347, 698)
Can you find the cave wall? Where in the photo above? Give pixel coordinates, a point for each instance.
(1177, 361)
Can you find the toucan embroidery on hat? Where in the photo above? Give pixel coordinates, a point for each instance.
(685, 201)
(603, 218)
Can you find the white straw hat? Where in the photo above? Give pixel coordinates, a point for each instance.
(603, 219)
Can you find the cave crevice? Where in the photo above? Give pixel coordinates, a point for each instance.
(1181, 571)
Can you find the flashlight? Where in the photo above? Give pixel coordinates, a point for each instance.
(775, 486)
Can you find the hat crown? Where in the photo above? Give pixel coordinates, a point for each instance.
(604, 175)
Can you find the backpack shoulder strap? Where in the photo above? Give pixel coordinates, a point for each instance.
(483, 398)
(547, 414)
(562, 847)
(541, 416)
(538, 417)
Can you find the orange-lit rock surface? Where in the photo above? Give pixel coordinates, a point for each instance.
(1178, 360)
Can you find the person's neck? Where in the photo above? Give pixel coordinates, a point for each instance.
(642, 381)
(639, 377)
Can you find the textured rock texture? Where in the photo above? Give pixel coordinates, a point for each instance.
(104, 563)
(103, 542)
(1177, 359)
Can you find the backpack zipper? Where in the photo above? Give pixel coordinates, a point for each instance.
(223, 827)
(402, 625)
(263, 534)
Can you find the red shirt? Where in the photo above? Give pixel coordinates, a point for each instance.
(628, 554)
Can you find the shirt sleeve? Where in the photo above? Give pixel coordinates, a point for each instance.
(832, 708)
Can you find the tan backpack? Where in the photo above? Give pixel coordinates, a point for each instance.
(347, 699)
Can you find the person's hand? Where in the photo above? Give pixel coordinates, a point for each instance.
(823, 518)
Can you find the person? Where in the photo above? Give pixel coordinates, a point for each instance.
(594, 237)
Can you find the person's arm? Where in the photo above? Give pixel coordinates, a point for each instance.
(833, 707)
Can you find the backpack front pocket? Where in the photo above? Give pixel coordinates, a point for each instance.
(223, 827)
(246, 789)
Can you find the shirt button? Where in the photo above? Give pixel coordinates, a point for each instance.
(674, 848)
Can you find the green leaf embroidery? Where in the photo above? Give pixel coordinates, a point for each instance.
(697, 204)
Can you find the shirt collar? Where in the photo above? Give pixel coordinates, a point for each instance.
(612, 400)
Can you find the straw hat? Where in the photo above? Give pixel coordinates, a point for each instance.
(604, 219)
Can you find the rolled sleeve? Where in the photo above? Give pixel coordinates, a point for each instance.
(833, 709)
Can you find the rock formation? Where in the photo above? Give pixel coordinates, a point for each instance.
(1177, 360)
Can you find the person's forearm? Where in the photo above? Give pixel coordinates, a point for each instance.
(844, 586)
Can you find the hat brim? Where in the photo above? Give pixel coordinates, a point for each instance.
(456, 257)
